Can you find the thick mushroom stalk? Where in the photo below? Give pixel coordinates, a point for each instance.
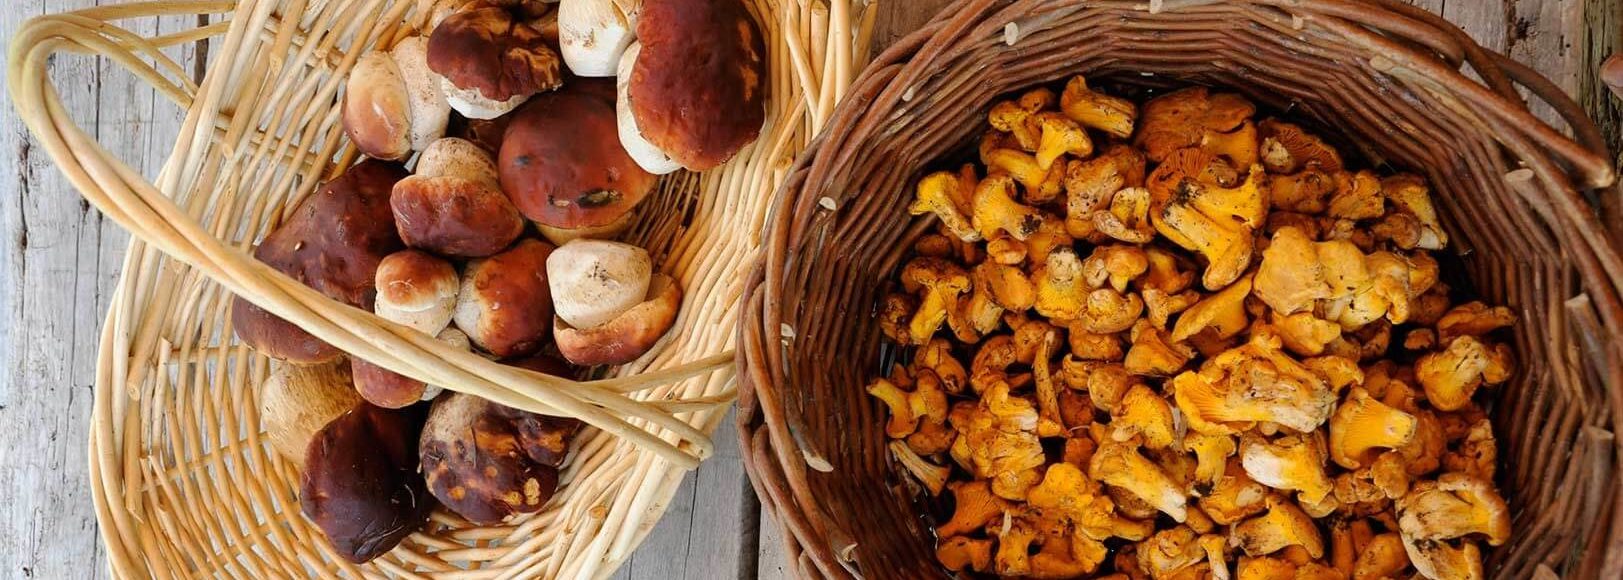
(592, 34)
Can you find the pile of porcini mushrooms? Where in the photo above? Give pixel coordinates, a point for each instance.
(1182, 342)
(500, 136)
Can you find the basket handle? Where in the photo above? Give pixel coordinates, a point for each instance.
(122, 194)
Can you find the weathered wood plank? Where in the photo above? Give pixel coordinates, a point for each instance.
(709, 530)
(774, 563)
(51, 265)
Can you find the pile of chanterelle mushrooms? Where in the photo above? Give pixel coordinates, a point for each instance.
(499, 136)
(1181, 342)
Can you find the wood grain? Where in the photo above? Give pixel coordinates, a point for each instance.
(59, 261)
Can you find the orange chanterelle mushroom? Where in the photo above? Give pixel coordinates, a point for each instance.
(1174, 340)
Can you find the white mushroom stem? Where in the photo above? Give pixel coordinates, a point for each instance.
(456, 339)
(593, 281)
(647, 156)
(474, 105)
(592, 34)
(429, 110)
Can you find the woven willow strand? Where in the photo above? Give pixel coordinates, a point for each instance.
(182, 482)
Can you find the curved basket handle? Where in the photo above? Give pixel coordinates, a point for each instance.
(122, 194)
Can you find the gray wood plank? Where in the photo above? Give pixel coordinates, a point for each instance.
(709, 530)
(774, 562)
(51, 266)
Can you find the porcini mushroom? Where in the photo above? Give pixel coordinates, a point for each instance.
(487, 462)
(416, 289)
(332, 242)
(697, 89)
(647, 155)
(493, 56)
(378, 108)
(453, 205)
(296, 401)
(360, 484)
(504, 305)
(563, 167)
(592, 34)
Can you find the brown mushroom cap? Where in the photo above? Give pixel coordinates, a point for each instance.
(454, 206)
(561, 160)
(377, 107)
(388, 389)
(488, 462)
(505, 305)
(495, 47)
(697, 90)
(454, 216)
(416, 289)
(361, 485)
(383, 387)
(333, 242)
(628, 335)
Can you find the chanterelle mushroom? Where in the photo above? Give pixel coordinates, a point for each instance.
(947, 195)
(1452, 375)
(1205, 217)
(1294, 462)
(998, 441)
(1454, 506)
(1187, 117)
(1362, 425)
(941, 282)
(1251, 383)
(1286, 148)
(1121, 466)
(1284, 525)
(1113, 115)
(993, 209)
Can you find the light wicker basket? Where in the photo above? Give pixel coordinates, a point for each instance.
(184, 484)
(1519, 198)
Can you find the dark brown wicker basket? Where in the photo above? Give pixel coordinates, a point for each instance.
(1518, 197)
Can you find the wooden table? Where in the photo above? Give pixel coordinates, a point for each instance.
(59, 260)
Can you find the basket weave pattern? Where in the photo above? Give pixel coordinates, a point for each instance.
(1515, 194)
(183, 483)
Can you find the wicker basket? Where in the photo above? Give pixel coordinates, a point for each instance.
(1517, 196)
(184, 484)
